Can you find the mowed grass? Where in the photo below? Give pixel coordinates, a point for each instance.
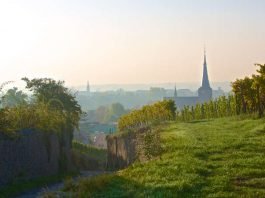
(209, 158)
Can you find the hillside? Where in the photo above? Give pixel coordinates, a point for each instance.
(210, 158)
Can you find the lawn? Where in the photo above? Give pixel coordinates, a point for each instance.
(209, 158)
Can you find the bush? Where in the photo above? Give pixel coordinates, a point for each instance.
(149, 115)
(52, 109)
(144, 123)
(37, 116)
(149, 144)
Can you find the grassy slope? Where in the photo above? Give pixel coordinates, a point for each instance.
(216, 158)
(91, 151)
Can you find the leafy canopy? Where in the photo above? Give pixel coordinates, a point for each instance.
(58, 97)
(14, 97)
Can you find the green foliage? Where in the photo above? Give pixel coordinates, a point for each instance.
(207, 158)
(93, 152)
(88, 188)
(1, 90)
(106, 114)
(33, 116)
(17, 188)
(144, 123)
(86, 157)
(58, 97)
(147, 116)
(68, 184)
(248, 98)
(100, 114)
(54, 109)
(14, 97)
(220, 107)
(149, 144)
(114, 112)
(250, 92)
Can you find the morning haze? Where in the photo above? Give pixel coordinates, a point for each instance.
(128, 42)
(132, 98)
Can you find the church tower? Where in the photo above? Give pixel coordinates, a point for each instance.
(205, 91)
(88, 87)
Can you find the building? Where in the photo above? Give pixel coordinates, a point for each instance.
(205, 92)
(87, 92)
(88, 87)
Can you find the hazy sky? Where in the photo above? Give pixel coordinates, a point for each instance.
(130, 41)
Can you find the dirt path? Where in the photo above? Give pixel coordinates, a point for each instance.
(55, 187)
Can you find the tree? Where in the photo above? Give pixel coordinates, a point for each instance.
(114, 112)
(259, 86)
(250, 92)
(240, 88)
(2, 87)
(54, 93)
(14, 97)
(100, 113)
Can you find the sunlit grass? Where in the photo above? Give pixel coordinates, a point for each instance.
(210, 158)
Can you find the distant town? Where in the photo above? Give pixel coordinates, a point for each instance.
(135, 96)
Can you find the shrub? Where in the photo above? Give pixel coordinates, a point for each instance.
(149, 144)
(53, 109)
(37, 116)
(149, 115)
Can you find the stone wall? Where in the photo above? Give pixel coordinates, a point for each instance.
(121, 151)
(33, 154)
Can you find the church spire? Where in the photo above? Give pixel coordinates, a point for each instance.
(205, 79)
(175, 92)
(88, 87)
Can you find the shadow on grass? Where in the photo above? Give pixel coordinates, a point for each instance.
(18, 188)
(199, 121)
(117, 186)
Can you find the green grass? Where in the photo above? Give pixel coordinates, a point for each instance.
(91, 151)
(209, 158)
(17, 188)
